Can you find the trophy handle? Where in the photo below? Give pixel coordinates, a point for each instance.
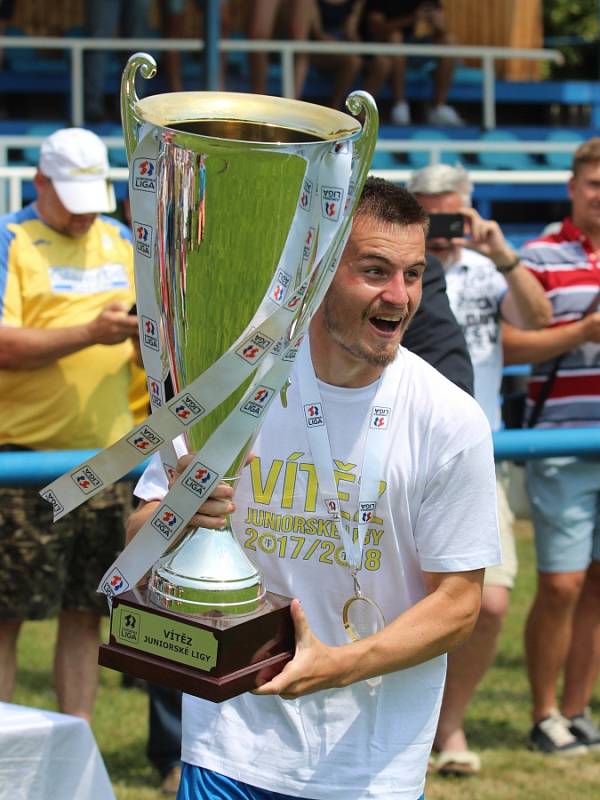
(129, 99)
(366, 140)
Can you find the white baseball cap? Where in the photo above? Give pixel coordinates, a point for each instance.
(76, 161)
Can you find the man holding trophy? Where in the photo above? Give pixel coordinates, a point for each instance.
(363, 524)
(353, 719)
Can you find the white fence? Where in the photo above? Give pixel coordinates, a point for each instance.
(12, 179)
(286, 49)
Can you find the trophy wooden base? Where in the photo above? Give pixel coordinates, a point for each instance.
(213, 658)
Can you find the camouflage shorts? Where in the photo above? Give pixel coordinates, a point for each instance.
(46, 566)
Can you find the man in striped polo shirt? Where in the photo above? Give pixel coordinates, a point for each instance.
(562, 632)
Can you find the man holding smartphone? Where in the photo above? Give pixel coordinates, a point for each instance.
(486, 282)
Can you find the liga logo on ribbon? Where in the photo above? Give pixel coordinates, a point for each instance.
(199, 479)
(308, 244)
(143, 239)
(380, 417)
(115, 583)
(166, 521)
(155, 392)
(306, 195)
(258, 402)
(280, 287)
(314, 415)
(254, 348)
(144, 174)
(57, 506)
(366, 512)
(150, 333)
(86, 479)
(145, 440)
(331, 202)
(332, 507)
(187, 409)
(292, 351)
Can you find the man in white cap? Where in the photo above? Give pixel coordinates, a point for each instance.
(66, 285)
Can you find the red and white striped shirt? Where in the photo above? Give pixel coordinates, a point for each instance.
(567, 267)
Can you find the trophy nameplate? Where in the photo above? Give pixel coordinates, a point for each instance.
(213, 658)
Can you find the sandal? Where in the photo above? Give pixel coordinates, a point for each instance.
(458, 762)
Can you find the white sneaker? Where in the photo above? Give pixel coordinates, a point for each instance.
(401, 113)
(444, 115)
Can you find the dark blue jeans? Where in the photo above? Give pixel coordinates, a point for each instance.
(164, 739)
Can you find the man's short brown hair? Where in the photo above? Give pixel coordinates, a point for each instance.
(587, 153)
(391, 203)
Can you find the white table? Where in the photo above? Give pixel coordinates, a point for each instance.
(49, 756)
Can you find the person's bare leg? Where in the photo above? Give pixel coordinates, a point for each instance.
(346, 71)
(548, 635)
(261, 21)
(377, 71)
(9, 633)
(174, 29)
(583, 660)
(301, 13)
(398, 73)
(444, 70)
(466, 667)
(76, 662)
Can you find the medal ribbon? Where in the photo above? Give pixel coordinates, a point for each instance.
(371, 473)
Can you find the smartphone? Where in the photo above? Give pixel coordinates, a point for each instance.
(445, 226)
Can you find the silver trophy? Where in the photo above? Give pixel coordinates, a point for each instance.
(246, 212)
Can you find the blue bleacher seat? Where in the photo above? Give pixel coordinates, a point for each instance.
(562, 160)
(117, 156)
(421, 158)
(507, 159)
(31, 154)
(384, 160)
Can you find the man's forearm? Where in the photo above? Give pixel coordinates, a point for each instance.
(138, 517)
(438, 623)
(32, 348)
(531, 347)
(529, 300)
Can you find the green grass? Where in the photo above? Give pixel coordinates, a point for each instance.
(496, 725)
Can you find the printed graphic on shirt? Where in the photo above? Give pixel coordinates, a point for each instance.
(287, 518)
(474, 294)
(88, 281)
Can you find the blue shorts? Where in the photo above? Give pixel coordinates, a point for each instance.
(565, 506)
(198, 783)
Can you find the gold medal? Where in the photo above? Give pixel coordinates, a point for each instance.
(361, 616)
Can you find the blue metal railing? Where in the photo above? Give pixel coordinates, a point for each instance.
(39, 468)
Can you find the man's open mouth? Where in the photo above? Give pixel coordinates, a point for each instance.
(385, 323)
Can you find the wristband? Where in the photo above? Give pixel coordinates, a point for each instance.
(505, 268)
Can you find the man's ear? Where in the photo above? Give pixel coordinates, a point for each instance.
(40, 180)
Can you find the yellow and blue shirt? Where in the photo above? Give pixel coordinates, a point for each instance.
(48, 280)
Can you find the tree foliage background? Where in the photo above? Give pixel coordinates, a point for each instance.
(573, 27)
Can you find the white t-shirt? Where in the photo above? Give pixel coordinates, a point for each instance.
(475, 291)
(437, 512)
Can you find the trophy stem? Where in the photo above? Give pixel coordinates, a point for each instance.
(208, 575)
